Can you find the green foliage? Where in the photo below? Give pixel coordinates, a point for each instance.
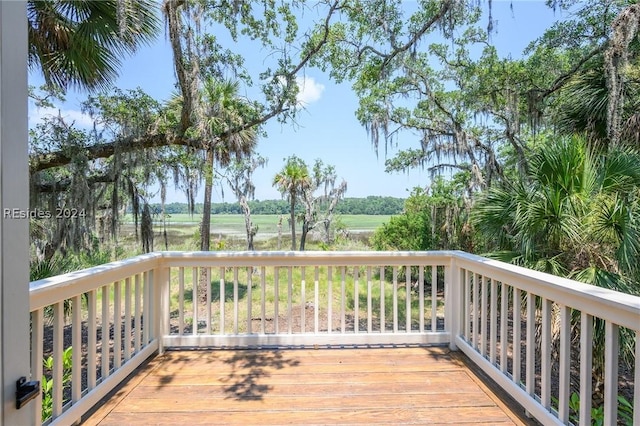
(370, 205)
(575, 206)
(405, 232)
(409, 231)
(56, 265)
(44, 268)
(625, 411)
(123, 113)
(433, 219)
(47, 384)
(577, 215)
(81, 44)
(292, 181)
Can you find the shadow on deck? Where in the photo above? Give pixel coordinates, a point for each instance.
(389, 385)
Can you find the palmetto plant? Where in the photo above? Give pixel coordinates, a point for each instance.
(223, 113)
(80, 43)
(576, 214)
(575, 210)
(291, 181)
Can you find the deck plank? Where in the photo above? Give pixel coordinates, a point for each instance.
(304, 386)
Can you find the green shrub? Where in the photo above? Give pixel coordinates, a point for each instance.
(47, 384)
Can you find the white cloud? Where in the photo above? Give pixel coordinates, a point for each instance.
(310, 90)
(79, 119)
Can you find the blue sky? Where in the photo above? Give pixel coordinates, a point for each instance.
(327, 128)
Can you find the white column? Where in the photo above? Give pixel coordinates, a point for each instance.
(14, 201)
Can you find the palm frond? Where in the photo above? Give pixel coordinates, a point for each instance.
(81, 43)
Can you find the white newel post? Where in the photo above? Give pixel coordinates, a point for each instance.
(161, 305)
(452, 301)
(14, 203)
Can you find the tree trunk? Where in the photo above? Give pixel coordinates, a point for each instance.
(146, 230)
(303, 235)
(293, 222)
(327, 229)
(251, 230)
(205, 227)
(280, 233)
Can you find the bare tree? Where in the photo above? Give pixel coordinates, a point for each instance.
(320, 209)
(239, 176)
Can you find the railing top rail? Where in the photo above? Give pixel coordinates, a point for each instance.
(54, 289)
(622, 308)
(306, 258)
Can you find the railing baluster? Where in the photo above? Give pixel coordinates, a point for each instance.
(329, 299)
(356, 299)
(208, 319)
(194, 299)
(517, 335)
(504, 319)
(76, 343)
(636, 390)
(37, 351)
(58, 349)
(137, 308)
(276, 291)
(343, 298)
(565, 364)
(467, 305)
(382, 304)
(290, 300)
(545, 392)
(530, 361)
(586, 367)
(611, 348)
(316, 300)
(127, 318)
(407, 299)
(180, 300)
(263, 299)
(91, 339)
(117, 318)
(434, 298)
(421, 297)
(493, 322)
(249, 300)
(303, 299)
(236, 301)
(395, 299)
(146, 309)
(483, 315)
(223, 300)
(369, 302)
(104, 335)
(476, 306)
(153, 307)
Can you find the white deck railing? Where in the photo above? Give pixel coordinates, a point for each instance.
(115, 316)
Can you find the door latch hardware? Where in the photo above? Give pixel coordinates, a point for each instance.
(26, 391)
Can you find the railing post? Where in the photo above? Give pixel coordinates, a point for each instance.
(14, 220)
(160, 304)
(452, 302)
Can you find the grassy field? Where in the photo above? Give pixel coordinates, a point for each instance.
(229, 230)
(269, 222)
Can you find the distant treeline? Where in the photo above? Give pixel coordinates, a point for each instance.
(372, 205)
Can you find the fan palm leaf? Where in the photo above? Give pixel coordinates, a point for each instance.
(81, 43)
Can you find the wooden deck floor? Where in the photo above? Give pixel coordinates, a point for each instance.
(304, 386)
